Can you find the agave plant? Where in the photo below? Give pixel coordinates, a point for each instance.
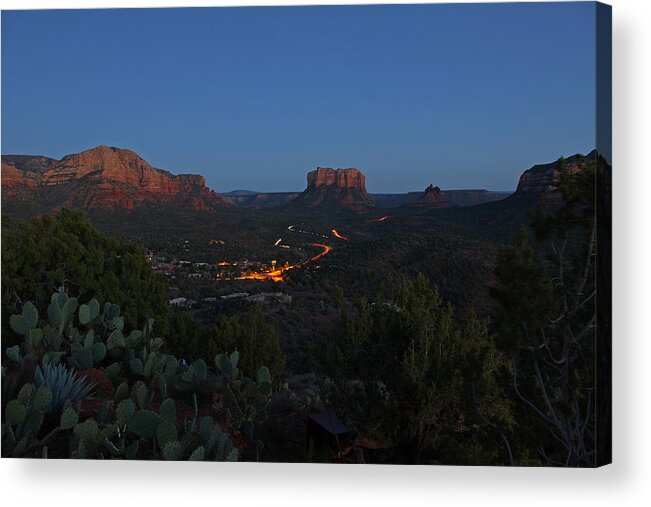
(63, 384)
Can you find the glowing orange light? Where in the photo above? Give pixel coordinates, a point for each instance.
(337, 235)
(277, 274)
(381, 219)
(326, 250)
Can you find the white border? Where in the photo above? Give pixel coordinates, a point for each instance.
(627, 482)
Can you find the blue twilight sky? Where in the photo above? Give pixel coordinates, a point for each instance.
(461, 96)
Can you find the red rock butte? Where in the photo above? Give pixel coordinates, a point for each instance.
(105, 177)
(432, 197)
(342, 178)
(336, 187)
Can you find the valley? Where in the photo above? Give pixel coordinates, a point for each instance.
(205, 246)
(306, 234)
(291, 269)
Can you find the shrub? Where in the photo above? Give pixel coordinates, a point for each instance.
(62, 383)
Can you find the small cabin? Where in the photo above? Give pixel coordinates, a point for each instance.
(327, 433)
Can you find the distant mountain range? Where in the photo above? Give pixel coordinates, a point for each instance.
(240, 193)
(470, 197)
(119, 179)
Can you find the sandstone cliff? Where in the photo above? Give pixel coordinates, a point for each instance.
(542, 178)
(102, 177)
(341, 178)
(433, 198)
(22, 172)
(343, 188)
(12, 177)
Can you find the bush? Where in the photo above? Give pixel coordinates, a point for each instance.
(45, 253)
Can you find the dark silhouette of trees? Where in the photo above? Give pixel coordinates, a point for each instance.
(65, 250)
(250, 334)
(546, 322)
(407, 375)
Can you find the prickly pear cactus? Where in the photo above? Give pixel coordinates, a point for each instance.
(138, 418)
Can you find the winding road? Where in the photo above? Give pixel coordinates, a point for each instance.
(276, 274)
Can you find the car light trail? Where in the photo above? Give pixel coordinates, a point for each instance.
(326, 250)
(337, 235)
(277, 274)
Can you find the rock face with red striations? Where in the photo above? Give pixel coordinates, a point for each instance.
(106, 177)
(542, 178)
(22, 173)
(432, 197)
(341, 178)
(35, 165)
(13, 177)
(336, 187)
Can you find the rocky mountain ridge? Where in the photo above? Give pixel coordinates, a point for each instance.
(542, 178)
(102, 177)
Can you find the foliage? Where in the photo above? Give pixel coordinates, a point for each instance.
(143, 410)
(546, 322)
(256, 340)
(532, 301)
(40, 255)
(408, 376)
(62, 383)
(243, 399)
(23, 420)
(250, 334)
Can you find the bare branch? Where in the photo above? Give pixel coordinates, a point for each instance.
(588, 263)
(534, 407)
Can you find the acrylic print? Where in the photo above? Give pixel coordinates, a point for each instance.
(336, 234)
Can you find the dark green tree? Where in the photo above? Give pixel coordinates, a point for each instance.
(259, 343)
(546, 321)
(408, 375)
(65, 250)
(250, 334)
